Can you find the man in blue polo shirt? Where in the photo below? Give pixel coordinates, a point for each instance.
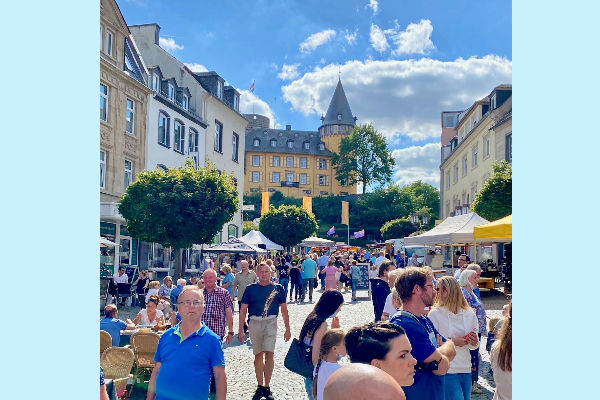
(111, 324)
(187, 354)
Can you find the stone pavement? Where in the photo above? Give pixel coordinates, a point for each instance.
(286, 385)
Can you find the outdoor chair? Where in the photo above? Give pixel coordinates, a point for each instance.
(144, 346)
(104, 292)
(124, 291)
(117, 363)
(105, 341)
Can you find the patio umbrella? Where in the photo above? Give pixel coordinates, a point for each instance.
(104, 242)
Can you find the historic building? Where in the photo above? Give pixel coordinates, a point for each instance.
(472, 140)
(298, 163)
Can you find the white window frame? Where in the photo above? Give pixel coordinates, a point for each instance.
(218, 145)
(273, 142)
(167, 123)
(255, 176)
(305, 159)
(236, 102)
(109, 43)
(184, 102)
(219, 89)
(289, 176)
(287, 162)
(235, 144)
(322, 180)
(339, 117)
(256, 161)
(306, 145)
(256, 142)
(128, 175)
(193, 140)
(322, 163)
(275, 177)
(455, 173)
(171, 92)
(290, 144)
(302, 178)
(155, 83)
(105, 97)
(130, 116)
(179, 136)
(278, 163)
(321, 146)
(103, 159)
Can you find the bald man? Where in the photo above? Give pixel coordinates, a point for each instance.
(362, 382)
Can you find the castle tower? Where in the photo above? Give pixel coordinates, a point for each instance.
(335, 125)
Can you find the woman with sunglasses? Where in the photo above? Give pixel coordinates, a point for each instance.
(455, 319)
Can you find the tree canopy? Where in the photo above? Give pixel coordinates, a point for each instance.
(494, 200)
(363, 157)
(397, 228)
(288, 225)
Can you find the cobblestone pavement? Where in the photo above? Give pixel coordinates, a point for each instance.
(286, 385)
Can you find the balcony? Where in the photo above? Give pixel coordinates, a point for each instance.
(290, 184)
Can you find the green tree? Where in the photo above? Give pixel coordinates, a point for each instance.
(494, 201)
(248, 226)
(288, 225)
(363, 157)
(426, 199)
(179, 207)
(397, 228)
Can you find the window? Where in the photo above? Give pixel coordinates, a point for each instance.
(235, 144)
(273, 142)
(289, 176)
(219, 89)
(275, 177)
(290, 144)
(130, 117)
(302, 178)
(109, 43)
(163, 129)
(271, 190)
(256, 161)
(324, 193)
(464, 166)
(184, 102)
(102, 169)
(508, 148)
(179, 140)
(193, 141)
(322, 163)
(306, 192)
(276, 161)
(344, 182)
(155, 82)
(236, 102)
(128, 173)
(255, 176)
(306, 145)
(289, 162)
(256, 142)
(254, 190)
(103, 102)
(455, 173)
(232, 232)
(218, 137)
(486, 147)
(322, 180)
(493, 101)
(321, 146)
(303, 162)
(447, 179)
(339, 117)
(474, 159)
(171, 92)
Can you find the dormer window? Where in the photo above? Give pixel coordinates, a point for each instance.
(155, 82)
(339, 117)
(256, 142)
(321, 146)
(493, 102)
(273, 142)
(171, 93)
(236, 102)
(184, 102)
(290, 144)
(219, 89)
(306, 145)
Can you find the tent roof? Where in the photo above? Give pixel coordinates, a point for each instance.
(255, 238)
(234, 246)
(453, 230)
(314, 241)
(499, 229)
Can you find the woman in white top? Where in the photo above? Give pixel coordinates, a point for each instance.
(150, 315)
(501, 359)
(455, 320)
(332, 350)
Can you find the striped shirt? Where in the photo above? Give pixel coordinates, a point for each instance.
(216, 304)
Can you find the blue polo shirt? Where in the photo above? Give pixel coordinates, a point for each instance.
(186, 365)
(113, 326)
(309, 267)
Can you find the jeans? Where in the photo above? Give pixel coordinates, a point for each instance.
(322, 278)
(298, 287)
(457, 386)
(284, 282)
(307, 283)
(308, 386)
(475, 362)
(354, 284)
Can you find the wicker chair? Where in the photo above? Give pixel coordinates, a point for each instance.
(105, 341)
(117, 363)
(144, 346)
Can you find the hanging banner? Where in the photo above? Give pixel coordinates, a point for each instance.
(264, 208)
(307, 203)
(345, 212)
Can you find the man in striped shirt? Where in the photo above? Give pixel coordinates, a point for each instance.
(218, 309)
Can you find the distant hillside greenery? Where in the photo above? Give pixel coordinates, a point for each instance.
(369, 211)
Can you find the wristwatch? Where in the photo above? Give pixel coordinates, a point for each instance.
(231, 333)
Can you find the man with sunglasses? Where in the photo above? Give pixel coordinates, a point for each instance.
(187, 354)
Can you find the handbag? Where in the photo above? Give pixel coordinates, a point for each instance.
(299, 359)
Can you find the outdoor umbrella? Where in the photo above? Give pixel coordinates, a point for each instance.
(317, 242)
(104, 242)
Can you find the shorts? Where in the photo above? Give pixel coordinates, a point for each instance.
(263, 332)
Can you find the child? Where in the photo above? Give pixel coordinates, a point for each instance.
(332, 350)
(152, 289)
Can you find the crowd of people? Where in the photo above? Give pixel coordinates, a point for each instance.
(423, 343)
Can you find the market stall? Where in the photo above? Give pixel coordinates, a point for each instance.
(257, 239)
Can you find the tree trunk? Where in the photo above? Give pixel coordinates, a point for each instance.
(179, 267)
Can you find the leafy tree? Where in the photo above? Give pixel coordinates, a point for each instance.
(248, 226)
(363, 157)
(397, 228)
(288, 225)
(179, 207)
(426, 199)
(494, 201)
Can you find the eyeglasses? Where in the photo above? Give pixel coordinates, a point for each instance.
(195, 303)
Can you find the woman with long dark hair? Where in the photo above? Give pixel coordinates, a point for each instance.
(501, 359)
(315, 326)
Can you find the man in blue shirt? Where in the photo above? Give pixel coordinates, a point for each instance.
(175, 292)
(431, 350)
(187, 355)
(400, 261)
(114, 326)
(323, 260)
(309, 272)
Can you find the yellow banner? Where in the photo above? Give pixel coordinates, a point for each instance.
(307, 203)
(345, 213)
(264, 208)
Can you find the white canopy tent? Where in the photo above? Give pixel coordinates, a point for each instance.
(255, 238)
(317, 242)
(452, 231)
(233, 246)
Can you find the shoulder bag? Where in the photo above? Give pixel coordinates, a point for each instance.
(299, 359)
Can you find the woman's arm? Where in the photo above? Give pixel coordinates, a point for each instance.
(137, 318)
(316, 342)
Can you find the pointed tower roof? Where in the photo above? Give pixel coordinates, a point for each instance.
(339, 105)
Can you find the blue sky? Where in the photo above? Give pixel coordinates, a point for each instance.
(401, 62)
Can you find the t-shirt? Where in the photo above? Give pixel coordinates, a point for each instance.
(323, 260)
(256, 295)
(389, 307)
(295, 275)
(283, 271)
(228, 278)
(309, 267)
(354, 272)
(113, 326)
(422, 336)
(325, 371)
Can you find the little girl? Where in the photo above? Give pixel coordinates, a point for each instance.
(152, 289)
(331, 351)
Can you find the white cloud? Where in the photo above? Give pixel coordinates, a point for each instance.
(416, 39)
(373, 5)
(169, 44)
(195, 67)
(288, 72)
(378, 40)
(315, 40)
(351, 36)
(252, 104)
(417, 163)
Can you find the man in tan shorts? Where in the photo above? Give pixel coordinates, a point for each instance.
(262, 301)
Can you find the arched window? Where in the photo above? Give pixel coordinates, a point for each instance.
(256, 142)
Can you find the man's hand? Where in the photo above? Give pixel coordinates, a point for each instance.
(228, 338)
(287, 335)
(241, 336)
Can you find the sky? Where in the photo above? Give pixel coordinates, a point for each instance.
(401, 62)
